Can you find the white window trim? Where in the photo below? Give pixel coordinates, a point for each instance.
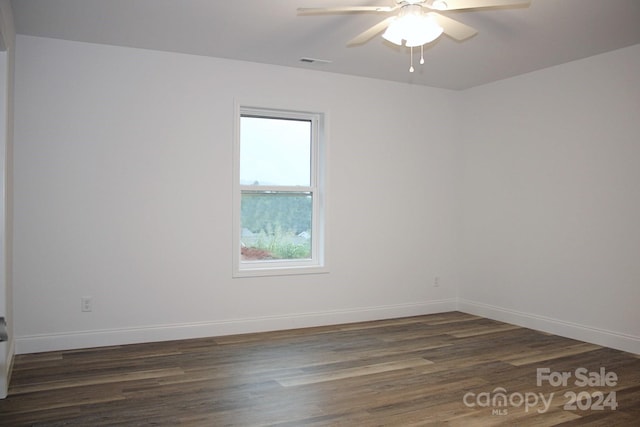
(318, 264)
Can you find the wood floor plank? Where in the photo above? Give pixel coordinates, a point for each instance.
(554, 354)
(414, 371)
(337, 374)
(93, 380)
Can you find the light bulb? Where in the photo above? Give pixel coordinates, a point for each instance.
(422, 31)
(394, 32)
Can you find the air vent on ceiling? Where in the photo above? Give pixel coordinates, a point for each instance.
(315, 61)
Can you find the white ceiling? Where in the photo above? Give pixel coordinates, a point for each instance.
(510, 41)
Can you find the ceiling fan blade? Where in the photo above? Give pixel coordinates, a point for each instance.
(367, 35)
(323, 10)
(477, 4)
(453, 28)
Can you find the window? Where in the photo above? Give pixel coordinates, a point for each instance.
(279, 200)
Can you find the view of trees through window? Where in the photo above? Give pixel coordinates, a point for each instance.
(276, 188)
(276, 225)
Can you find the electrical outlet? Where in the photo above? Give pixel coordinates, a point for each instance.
(86, 304)
(436, 282)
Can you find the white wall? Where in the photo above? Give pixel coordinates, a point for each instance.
(551, 200)
(521, 195)
(123, 192)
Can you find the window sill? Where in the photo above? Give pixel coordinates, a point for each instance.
(279, 271)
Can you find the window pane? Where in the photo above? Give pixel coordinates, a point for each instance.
(275, 151)
(275, 225)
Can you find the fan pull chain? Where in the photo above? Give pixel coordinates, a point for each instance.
(421, 54)
(411, 68)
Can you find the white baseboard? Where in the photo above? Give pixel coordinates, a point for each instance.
(110, 337)
(562, 328)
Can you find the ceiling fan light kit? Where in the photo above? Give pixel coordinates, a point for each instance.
(414, 26)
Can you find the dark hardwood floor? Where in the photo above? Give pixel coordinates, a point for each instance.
(444, 369)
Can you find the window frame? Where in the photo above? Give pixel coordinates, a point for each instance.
(317, 262)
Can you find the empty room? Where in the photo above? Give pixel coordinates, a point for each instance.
(320, 212)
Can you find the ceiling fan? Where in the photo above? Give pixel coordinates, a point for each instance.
(417, 22)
